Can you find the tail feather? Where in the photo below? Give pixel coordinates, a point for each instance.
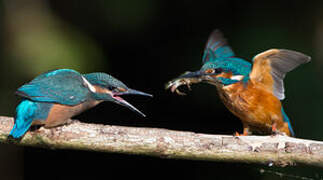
(286, 119)
(25, 113)
(18, 131)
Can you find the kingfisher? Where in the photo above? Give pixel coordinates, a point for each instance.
(52, 98)
(252, 92)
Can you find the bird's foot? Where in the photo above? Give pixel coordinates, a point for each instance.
(35, 129)
(277, 133)
(274, 130)
(274, 127)
(238, 134)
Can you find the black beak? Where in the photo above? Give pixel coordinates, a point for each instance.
(123, 102)
(196, 74)
(133, 92)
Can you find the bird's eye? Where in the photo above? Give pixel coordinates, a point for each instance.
(214, 71)
(209, 71)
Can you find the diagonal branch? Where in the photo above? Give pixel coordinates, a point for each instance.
(275, 150)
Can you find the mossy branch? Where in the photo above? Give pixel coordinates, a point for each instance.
(275, 150)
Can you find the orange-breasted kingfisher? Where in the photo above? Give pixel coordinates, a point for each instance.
(52, 98)
(252, 92)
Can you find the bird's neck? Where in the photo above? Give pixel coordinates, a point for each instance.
(101, 97)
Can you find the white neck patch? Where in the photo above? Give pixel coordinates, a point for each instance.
(89, 85)
(237, 77)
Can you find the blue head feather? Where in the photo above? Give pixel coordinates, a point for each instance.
(114, 85)
(235, 65)
(104, 80)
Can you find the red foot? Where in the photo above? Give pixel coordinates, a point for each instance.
(245, 133)
(238, 134)
(274, 128)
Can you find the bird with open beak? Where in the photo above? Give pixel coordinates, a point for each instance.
(52, 98)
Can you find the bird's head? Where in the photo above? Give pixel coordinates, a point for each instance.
(209, 73)
(107, 88)
(220, 66)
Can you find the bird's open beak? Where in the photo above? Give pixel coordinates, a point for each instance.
(121, 101)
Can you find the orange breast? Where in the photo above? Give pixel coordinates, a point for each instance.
(257, 108)
(59, 114)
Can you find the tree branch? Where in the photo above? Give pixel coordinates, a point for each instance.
(269, 150)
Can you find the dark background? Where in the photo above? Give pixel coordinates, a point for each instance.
(146, 43)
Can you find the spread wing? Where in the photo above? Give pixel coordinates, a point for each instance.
(216, 47)
(270, 67)
(63, 86)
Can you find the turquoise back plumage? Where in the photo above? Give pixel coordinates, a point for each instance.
(63, 86)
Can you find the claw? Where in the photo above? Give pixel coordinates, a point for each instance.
(245, 133)
(275, 131)
(236, 134)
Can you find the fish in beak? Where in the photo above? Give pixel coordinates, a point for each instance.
(188, 78)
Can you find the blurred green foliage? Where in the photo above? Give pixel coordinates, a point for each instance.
(40, 41)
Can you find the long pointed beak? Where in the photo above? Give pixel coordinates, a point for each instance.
(123, 102)
(195, 74)
(188, 79)
(133, 92)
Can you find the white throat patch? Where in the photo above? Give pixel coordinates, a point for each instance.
(89, 85)
(237, 77)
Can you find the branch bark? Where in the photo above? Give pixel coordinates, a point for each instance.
(269, 150)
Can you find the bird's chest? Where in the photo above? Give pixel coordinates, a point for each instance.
(233, 98)
(59, 113)
(252, 104)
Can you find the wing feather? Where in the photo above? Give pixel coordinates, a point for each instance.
(270, 67)
(59, 86)
(216, 47)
